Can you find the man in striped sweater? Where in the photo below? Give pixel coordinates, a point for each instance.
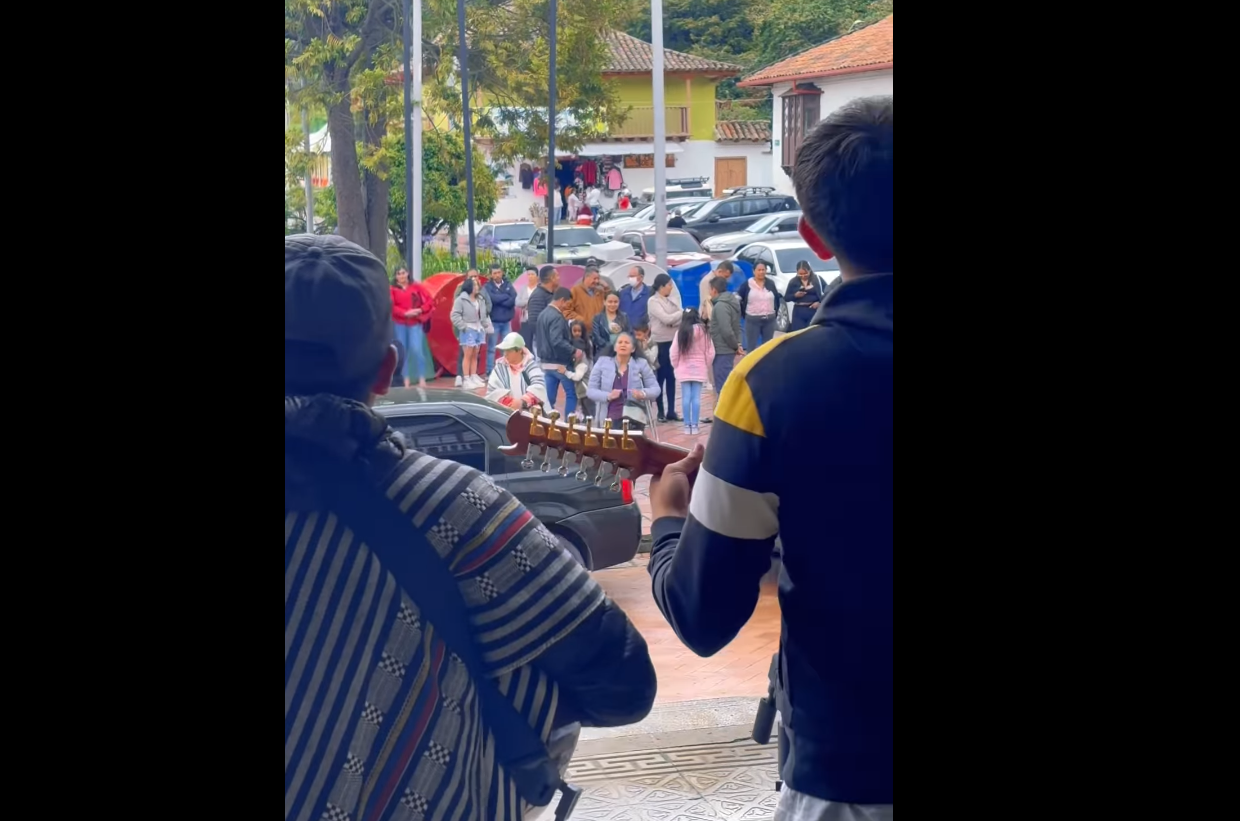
(802, 447)
(381, 716)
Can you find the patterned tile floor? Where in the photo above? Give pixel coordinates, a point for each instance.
(678, 781)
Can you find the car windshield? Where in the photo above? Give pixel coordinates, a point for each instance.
(682, 243)
(686, 211)
(705, 208)
(789, 257)
(565, 237)
(517, 232)
(764, 223)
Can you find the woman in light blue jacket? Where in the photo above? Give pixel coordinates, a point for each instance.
(621, 384)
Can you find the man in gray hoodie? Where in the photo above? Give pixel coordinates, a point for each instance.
(725, 330)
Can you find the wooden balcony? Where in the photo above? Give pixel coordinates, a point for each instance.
(639, 124)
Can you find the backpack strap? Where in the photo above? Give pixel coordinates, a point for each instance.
(410, 558)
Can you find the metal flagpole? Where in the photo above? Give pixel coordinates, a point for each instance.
(552, 213)
(660, 135)
(305, 126)
(413, 233)
(415, 270)
(469, 143)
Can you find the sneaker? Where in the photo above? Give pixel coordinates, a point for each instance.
(476, 382)
(458, 381)
(662, 418)
(671, 417)
(688, 430)
(694, 430)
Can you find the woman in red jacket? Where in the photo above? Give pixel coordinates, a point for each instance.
(411, 308)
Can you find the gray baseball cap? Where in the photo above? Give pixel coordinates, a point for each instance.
(337, 311)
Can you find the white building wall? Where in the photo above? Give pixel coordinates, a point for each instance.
(758, 161)
(835, 92)
(696, 159)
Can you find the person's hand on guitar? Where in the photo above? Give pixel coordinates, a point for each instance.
(669, 492)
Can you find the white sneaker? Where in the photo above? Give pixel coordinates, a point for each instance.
(458, 381)
(477, 383)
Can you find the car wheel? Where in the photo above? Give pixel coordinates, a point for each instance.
(570, 548)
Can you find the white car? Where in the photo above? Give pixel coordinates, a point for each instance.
(773, 226)
(781, 257)
(505, 239)
(644, 218)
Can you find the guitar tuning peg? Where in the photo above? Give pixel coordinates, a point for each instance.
(535, 428)
(572, 437)
(554, 434)
(609, 441)
(626, 442)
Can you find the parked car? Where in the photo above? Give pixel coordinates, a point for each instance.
(597, 527)
(572, 245)
(781, 257)
(505, 239)
(773, 226)
(644, 218)
(681, 248)
(732, 214)
(680, 187)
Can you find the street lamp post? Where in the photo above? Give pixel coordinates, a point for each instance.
(469, 143)
(551, 114)
(413, 141)
(660, 135)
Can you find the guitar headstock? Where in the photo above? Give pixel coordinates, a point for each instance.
(610, 452)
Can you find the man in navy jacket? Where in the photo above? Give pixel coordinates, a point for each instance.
(503, 306)
(712, 540)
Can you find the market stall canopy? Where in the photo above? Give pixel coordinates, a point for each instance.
(621, 149)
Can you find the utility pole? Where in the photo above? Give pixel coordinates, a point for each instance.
(469, 143)
(413, 142)
(660, 135)
(305, 128)
(552, 215)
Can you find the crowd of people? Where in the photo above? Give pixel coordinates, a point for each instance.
(443, 650)
(690, 348)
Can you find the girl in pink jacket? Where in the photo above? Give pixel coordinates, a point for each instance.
(692, 355)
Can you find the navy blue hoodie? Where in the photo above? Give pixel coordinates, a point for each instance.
(808, 457)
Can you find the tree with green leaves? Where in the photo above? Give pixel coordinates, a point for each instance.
(339, 55)
(443, 186)
(509, 64)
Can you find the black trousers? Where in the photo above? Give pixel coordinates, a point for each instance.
(666, 377)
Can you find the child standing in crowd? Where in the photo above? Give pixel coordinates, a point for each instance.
(692, 354)
(580, 374)
(645, 348)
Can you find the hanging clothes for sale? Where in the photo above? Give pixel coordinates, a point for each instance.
(589, 172)
(615, 180)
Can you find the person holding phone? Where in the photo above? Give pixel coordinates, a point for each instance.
(803, 295)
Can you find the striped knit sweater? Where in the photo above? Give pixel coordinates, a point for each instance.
(381, 719)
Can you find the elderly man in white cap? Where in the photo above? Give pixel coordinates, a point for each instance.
(517, 380)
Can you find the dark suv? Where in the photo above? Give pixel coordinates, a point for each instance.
(735, 213)
(596, 526)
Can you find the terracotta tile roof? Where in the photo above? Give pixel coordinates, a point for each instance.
(632, 56)
(872, 46)
(729, 131)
